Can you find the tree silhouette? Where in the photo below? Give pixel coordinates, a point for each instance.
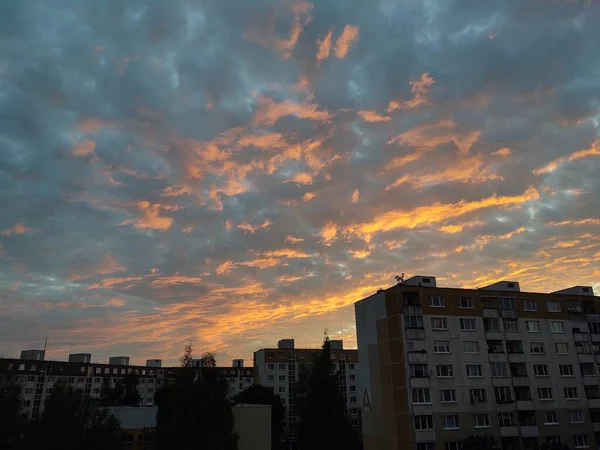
(553, 444)
(479, 443)
(322, 413)
(261, 395)
(12, 423)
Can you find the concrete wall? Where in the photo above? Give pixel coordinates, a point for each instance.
(253, 425)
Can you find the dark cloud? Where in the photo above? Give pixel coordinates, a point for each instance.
(195, 171)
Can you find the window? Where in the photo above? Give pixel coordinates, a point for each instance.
(352, 377)
(471, 347)
(576, 416)
(445, 371)
(352, 388)
(540, 370)
(481, 420)
(594, 327)
(281, 366)
(553, 306)
(491, 324)
(418, 370)
(441, 346)
(545, 393)
(426, 446)
(536, 348)
(281, 377)
(474, 371)
(506, 419)
(467, 324)
(562, 348)
(421, 395)
(499, 370)
(413, 322)
(281, 389)
(465, 302)
(550, 418)
(447, 396)
(436, 301)
(506, 303)
(529, 305)
(423, 422)
(511, 325)
(571, 393)
(580, 440)
(566, 370)
(439, 323)
(352, 399)
(557, 327)
(350, 366)
(453, 445)
(503, 394)
(478, 395)
(271, 366)
(533, 326)
(451, 422)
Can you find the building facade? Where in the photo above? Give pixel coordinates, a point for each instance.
(279, 369)
(440, 364)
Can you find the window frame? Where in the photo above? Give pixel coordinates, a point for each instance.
(442, 321)
(437, 301)
(464, 320)
(437, 347)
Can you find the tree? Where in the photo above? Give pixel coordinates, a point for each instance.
(12, 423)
(70, 421)
(261, 395)
(479, 443)
(323, 421)
(194, 412)
(124, 393)
(553, 444)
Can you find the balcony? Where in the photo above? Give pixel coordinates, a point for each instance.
(597, 426)
(594, 402)
(488, 312)
(512, 431)
(581, 337)
(516, 358)
(524, 405)
(595, 337)
(508, 314)
(529, 431)
(520, 380)
(493, 335)
(590, 380)
(585, 358)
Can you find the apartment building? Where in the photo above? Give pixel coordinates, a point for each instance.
(238, 377)
(279, 369)
(37, 378)
(440, 364)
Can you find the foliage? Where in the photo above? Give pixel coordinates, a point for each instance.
(194, 412)
(261, 395)
(323, 421)
(70, 421)
(551, 444)
(12, 424)
(124, 393)
(479, 443)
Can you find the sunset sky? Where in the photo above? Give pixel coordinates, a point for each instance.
(236, 172)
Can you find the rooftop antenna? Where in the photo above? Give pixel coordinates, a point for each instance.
(70, 347)
(46, 343)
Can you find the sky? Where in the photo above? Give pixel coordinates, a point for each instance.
(237, 172)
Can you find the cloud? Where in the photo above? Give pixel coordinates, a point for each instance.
(346, 40)
(150, 217)
(324, 46)
(17, 228)
(176, 170)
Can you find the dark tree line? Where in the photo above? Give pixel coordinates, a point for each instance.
(486, 442)
(69, 421)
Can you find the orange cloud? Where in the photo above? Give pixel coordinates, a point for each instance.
(373, 116)
(593, 150)
(324, 47)
(587, 221)
(17, 228)
(300, 178)
(109, 264)
(116, 302)
(150, 218)
(504, 151)
(224, 267)
(419, 89)
(308, 196)
(355, 196)
(84, 148)
(266, 141)
(285, 253)
(289, 279)
(359, 254)
(89, 125)
(254, 228)
(349, 36)
(269, 112)
(436, 213)
(162, 282)
(329, 232)
(457, 228)
(293, 240)
(108, 283)
(266, 36)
